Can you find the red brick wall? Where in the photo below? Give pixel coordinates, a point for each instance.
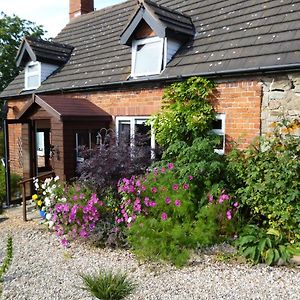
(239, 100)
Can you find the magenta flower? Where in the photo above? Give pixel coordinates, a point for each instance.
(170, 166)
(65, 242)
(210, 198)
(168, 200)
(236, 204)
(152, 204)
(185, 186)
(164, 216)
(223, 197)
(154, 190)
(228, 215)
(75, 197)
(191, 177)
(175, 187)
(177, 202)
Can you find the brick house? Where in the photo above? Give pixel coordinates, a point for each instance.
(108, 69)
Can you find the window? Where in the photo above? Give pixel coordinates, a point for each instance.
(147, 56)
(32, 75)
(219, 129)
(87, 139)
(135, 132)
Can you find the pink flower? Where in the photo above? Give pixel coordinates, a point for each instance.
(185, 186)
(210, 198)
(191, 177)
(170, 166)
(235, 204)
(228, 215)
(177, 202)
(163, 170)
(75, 197)
(81, 196)
(223, 197)
(154, 190)
(65, 242)
(175, 187)
(164, 216)
(152, 204)
(168, 200)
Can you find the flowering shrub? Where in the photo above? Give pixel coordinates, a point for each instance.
(216, 220)
(77, 216)
(159, 211)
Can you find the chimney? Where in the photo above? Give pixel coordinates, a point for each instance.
(80, 7)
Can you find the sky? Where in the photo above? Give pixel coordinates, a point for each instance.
(53, 14)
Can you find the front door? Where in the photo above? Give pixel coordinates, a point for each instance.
(43, 150)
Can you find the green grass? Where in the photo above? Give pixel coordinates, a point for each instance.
(7, 261)
(108, 286)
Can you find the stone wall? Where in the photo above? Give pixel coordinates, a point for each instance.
(281, 99)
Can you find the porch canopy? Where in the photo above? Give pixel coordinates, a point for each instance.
(63, 108)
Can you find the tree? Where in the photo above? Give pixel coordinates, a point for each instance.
(12, 30)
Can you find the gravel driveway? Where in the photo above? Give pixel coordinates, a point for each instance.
(42, 269)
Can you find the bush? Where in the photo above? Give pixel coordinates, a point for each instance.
(217, 220)
(108, 286)
(106, 164)
(1, 144)
(267, 179)
(266, 246)
(159, 211)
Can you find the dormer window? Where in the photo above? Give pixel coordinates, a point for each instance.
(32, 75)
(147, 56)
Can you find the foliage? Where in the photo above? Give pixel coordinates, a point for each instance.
(216, 220)
(186, 114)
(267, 180)
(1, 143)
(200, 161)
(261, 245)
(108, 286)
(159, 212)
(75, 214)
(2, 185)
(8, 258)
(12, 30)
(104, 165)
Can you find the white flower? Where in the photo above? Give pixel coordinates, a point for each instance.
(36, 185)
(129, 220)
(63, 199)
(50, 223)
(48, 217)
(56, 178)
(47, 201)
(43, 186)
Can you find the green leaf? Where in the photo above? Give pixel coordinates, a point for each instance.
(269, 257)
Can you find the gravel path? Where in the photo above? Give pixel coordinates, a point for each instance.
(42, 269)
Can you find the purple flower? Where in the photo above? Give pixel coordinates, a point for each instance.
(175, 187)
(170, 166)
(228, 215)
(164, 216)
(223, 197)
(236, 204)
(185, 186)
(168, 200)
(177, 202)
(75, 197)
(146, 201)
(210, 198)
(190, 177)
(154, 190)
(65, 242)
(152, 204)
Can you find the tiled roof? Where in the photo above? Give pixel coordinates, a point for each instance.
(44, 51)
(232, 36)
(66, 108)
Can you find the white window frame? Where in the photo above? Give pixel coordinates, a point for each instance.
(220, 132)
(161, 58)
(30, 74)
(132, 120)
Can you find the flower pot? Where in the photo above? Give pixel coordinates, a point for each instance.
(42, 214)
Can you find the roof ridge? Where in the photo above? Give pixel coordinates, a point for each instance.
(35, 39)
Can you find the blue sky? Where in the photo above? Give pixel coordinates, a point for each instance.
(53, 14)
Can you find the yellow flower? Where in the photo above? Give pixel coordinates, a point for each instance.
(116, 209)
(39, 203)
(34, 197)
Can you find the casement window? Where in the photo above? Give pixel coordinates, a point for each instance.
(32, 75)
(130, 129)
(219, 129)
(85, 139)
(148, 56)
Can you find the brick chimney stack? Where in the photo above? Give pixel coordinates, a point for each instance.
(80, 7)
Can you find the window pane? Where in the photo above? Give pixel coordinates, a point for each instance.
(142, 133)
(33, 81)
(124, 132)
(217, 124)
(148, 59)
